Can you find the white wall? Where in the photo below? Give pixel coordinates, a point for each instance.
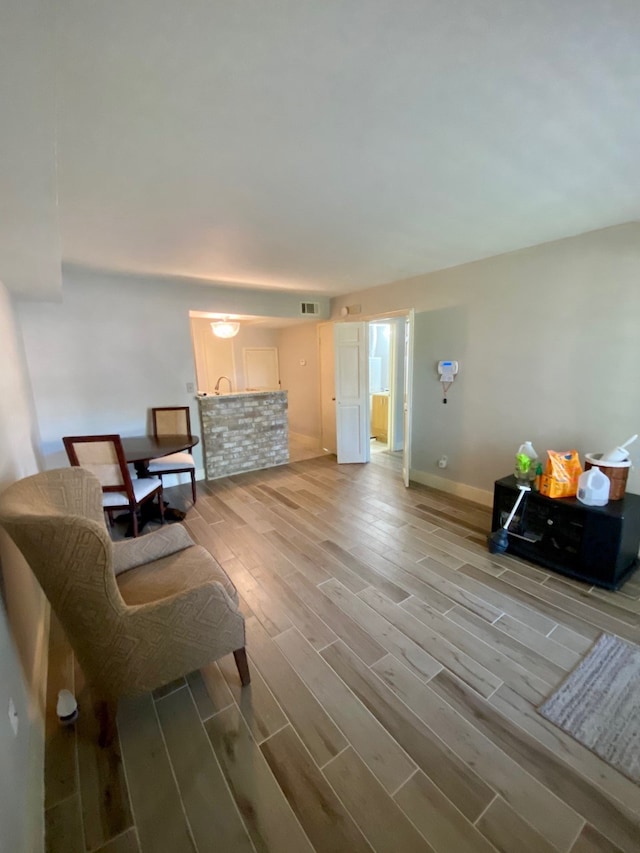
(297, 344)
(380, 348)
(117, 346)
(548, 341)
(22, 619)
(29, 239)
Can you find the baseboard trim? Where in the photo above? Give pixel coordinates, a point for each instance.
(461, 490)
(307, 441)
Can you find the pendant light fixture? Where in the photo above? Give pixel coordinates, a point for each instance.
(225, 328)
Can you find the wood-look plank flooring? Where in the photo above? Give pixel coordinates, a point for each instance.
(396, 669)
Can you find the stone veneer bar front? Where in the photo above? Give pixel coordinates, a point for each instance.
(244, 432)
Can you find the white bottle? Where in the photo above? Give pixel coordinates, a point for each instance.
(593, 488)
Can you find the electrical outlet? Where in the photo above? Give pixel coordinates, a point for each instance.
(13, 717)
(443, 462)
(190, 388)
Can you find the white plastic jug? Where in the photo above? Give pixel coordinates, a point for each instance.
(528, 449)
(525, 471)
(593, 488)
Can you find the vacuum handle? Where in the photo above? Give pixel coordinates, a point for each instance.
(523, 489)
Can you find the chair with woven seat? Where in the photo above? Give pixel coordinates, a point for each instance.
(173, 420)
(138, 613)
(104, 456)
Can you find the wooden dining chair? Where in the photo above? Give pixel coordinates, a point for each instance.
(103, 455)
(173, 420)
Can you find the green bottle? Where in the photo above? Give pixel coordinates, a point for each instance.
(536, 483)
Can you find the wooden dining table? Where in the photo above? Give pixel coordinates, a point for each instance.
(139, 450)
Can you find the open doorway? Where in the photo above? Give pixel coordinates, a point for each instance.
(370, 399)
(386, 391)
(385, 355)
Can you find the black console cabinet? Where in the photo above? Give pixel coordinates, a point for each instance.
(598, 545)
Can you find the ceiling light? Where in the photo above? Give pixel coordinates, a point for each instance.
(225, 328)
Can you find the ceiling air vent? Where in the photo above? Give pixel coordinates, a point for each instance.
(307, 308)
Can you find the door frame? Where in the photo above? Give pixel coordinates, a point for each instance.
(408, 314)
(392, 432)
(409, 327)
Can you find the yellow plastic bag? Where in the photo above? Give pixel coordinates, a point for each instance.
(560, 478)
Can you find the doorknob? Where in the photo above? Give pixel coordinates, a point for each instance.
(333, 399)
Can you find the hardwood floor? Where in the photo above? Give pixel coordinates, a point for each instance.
(396, 669)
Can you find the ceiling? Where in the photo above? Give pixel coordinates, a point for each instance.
(333, 145)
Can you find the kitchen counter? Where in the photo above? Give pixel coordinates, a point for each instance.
(245, 431)
(238, 394)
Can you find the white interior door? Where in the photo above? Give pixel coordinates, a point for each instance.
(352, 392)
(327, 387)
(408, 390)
(261, 370)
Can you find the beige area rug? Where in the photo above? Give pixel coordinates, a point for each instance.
(599, 704)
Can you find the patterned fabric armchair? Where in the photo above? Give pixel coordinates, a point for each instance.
(138, 613)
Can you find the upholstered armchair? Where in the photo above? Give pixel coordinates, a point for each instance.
(138, 613)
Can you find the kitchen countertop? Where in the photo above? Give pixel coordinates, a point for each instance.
(237, 394)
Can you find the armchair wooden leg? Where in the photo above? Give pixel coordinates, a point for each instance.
(242, 663)
(193, 486)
